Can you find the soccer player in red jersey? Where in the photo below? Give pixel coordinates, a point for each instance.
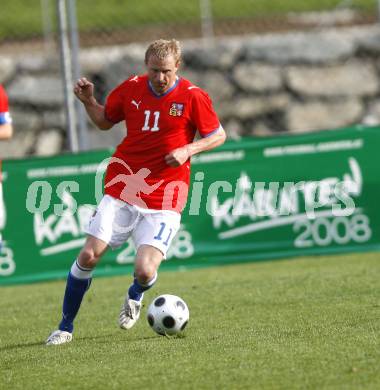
(147, 179)
(6, 131)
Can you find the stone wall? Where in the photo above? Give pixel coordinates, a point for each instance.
(260, 85)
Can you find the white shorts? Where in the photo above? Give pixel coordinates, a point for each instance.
(114, 221)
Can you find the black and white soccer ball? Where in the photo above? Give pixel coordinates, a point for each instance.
(168, 315)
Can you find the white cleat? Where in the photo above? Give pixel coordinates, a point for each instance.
(129, 313)
(59, 337)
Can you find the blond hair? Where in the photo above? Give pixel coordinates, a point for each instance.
(162, 48)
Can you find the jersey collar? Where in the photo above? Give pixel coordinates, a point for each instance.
(168, 91)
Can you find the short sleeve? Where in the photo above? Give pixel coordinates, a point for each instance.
(4, 109)
(114, 107)
(203, 115)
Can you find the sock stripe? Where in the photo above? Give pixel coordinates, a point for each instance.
(82, 268)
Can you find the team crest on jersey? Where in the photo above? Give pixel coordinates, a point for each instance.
(176, 109)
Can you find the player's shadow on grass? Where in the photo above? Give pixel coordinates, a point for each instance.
(105, 338)
(21, 345)
(101, 339)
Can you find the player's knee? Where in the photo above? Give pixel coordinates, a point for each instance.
(145, 274)
(87, 258)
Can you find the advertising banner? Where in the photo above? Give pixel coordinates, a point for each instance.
(249, 200)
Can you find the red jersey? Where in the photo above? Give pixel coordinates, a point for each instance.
(4, 109)
(156, 125)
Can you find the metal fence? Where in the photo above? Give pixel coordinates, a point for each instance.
(33, 23)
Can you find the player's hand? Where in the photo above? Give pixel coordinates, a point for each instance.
(177, 157)
(84, 90)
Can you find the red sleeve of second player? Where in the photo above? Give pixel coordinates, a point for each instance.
(3, 100)
(203, 115)
(114, 107)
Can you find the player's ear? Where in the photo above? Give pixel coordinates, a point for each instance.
(177, 64)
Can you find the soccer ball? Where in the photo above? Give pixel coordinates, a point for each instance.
(168, 315)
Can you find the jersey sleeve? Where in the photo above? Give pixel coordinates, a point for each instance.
(4, 109)
(203, 115)
(114, 107)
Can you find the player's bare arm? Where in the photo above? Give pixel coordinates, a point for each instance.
(84, 91)
(6, 131)
(180, 155)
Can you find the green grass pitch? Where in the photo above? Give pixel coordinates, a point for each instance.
(307, 323)
(20, 18)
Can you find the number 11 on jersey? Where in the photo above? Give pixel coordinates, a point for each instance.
(155, 127)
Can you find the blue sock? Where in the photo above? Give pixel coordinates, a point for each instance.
(136, 290)
(78, 282)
